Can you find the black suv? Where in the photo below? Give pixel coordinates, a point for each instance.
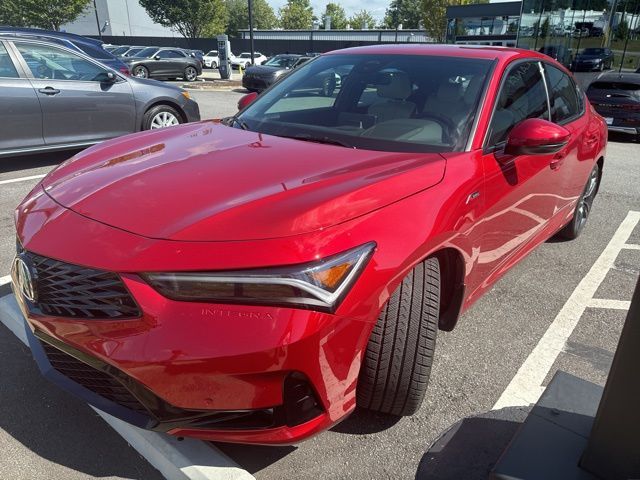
(593, 59)
(156, 62)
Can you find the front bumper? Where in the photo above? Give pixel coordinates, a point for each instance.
(256, 83)
(233, 373)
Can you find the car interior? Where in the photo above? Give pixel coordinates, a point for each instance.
(419, 103)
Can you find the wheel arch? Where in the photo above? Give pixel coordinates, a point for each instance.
(452, 287)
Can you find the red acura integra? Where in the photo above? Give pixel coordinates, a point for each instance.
(255, 279)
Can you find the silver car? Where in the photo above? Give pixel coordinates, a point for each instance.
(54, 98)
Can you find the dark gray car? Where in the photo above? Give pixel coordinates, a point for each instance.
(54, 98)
(154, 62)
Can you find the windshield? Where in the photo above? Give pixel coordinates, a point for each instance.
(133, 51)
(120, 50)
(281, 61)
(399, 103)
(212, 53)
(146, 52)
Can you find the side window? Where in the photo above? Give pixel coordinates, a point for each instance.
(522, 96)
(563, 96)
(7, 68)
(52, 63)
(169, 54)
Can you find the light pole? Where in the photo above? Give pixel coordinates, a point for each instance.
(95, 10)
(250, 31)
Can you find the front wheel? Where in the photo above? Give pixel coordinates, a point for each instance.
(397, 363)
(141, 72)
(583, 208)
(190, 74)
(161, 116)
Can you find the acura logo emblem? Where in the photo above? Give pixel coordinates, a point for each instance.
(23, 278)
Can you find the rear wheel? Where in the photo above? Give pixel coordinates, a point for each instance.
(190, 74)
(397, 363)
(583, 208)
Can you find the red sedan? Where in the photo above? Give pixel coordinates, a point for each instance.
(255, 279)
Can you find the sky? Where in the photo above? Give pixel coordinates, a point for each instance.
(376, 7)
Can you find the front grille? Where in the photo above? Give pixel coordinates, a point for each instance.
(92, 379)
(67, 290)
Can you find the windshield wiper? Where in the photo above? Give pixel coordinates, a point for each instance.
(231, 121)
(312, 138)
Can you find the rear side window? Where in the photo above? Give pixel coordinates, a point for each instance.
(563, 96)
(7, 69)
(170, 54)
(627, 87)
(94, 51)
(522, 95)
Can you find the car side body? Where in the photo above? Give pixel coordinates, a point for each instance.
(60, 107)
(164, 63)
(308, 243)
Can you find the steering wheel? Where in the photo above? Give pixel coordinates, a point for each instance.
(448, 126)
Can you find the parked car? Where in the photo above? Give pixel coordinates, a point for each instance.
(211, 59)
(616, 96)
(199, 54)
(244, 59)
(257, 78)
(88, 46)
(120, 50)
(559, 53)
(155, 62)
(133, 51)
(593, 59)
(253, 280)
(55, 98)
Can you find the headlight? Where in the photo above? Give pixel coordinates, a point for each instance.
(319, 285)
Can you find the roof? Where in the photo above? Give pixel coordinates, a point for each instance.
(469, 51)
(616, 76)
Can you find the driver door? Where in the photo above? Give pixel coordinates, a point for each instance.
(76, 108)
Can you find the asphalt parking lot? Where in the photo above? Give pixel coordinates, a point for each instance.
(44, 433)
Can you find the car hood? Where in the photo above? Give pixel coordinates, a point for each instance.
(209, 182)
(263, 70)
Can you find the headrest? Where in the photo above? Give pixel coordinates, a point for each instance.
(397, 88)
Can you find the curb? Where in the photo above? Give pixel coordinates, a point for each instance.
(188, 459)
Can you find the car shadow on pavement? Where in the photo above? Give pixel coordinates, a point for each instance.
(254, 458)
(471, 447)
(53, 425)
(21, 162)
(362, 422)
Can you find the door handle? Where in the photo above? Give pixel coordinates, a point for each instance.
(49, 91)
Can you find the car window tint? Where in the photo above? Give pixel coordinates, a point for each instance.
(169, 54)
(7, 68)
(522, 95)
(52, 63)
(562, 95)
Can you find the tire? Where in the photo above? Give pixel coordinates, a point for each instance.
(572, 230)
(190, 74)
(214, 65)
(161, 116)
(397, 362)
(141, 72)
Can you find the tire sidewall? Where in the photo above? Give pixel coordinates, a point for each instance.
(153, 111)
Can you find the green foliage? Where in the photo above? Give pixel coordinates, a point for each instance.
(296, 15)
(622, 32)
(363, 17)
(434, 16)
(338, 17)
(405, 12)
(544, 28)
(191, 18)
(238, 15)
(48, 14)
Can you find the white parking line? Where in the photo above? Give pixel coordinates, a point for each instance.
(525, 388)
(188, 459)
(606, 303)
(4, 280)
(22, 179)
(631, 246)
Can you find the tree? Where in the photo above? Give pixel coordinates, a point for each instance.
(544, 28)
(338, 17)
(405, 12)
(622, 32)
(191, 18)
(238, 15)
(49, 14)
(434, 15)
(296, 15)
(362, 18)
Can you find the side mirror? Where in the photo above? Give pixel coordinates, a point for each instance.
(535, 136)
(107, 77)
(157, 57)
(246, 100)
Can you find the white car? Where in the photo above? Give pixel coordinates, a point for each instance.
(211, 59)
(244, 59)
